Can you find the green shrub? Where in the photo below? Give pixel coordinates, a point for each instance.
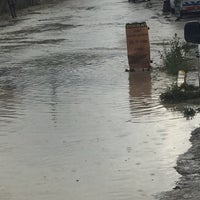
(189, 112)
(173, 56)
(176, 94)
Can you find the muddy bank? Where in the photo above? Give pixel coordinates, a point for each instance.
(188, 165)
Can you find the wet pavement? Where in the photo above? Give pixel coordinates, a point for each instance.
(73, 124)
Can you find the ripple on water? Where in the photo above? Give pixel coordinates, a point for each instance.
(148, 111)
(145, 105)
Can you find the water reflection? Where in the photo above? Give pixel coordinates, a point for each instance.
(9, 100)
(7, 97)
(54, 98)
(140, 93)
(140, 84)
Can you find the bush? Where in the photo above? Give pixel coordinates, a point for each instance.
(189, 112)
(176, 94)
(173, 56)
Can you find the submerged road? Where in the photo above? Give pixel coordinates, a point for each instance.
(73, 124)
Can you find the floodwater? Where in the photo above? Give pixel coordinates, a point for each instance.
(73, 124)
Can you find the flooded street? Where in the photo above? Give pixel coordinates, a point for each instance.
(74, 125)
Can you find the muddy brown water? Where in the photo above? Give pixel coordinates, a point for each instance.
(73, 124)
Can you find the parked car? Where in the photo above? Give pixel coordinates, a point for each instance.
(186, 7)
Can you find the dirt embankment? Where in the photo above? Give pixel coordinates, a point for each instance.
(188, 165)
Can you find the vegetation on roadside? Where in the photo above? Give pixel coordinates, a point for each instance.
(177, 56)
(176, 94)
(173, 55)
(174, 59)
(189, 112)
